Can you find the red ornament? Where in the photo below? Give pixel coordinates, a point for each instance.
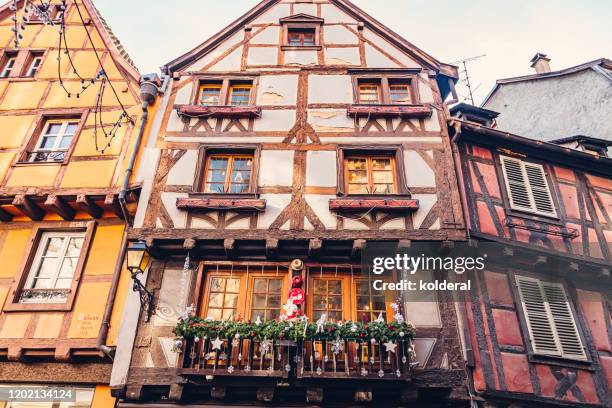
(296, 296)
(296, 281)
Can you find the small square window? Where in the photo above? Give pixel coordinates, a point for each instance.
(400, 92)
(210, 93)
(54, 141)
(369, 93)
(228, 173)
(8, 65)
(301, 37)
(53, 267)
(240, 94)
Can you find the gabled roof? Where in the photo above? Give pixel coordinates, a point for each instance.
(112, 43)
(345, 5)
(601, 66)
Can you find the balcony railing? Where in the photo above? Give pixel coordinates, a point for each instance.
(303, 359)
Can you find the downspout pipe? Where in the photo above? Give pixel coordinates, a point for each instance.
(148, 94)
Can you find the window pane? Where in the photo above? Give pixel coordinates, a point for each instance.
(65, 142)
(210, 95)
(260, 285)
(334, 316)
(275, 286)
(47, 142)
(335, 287)
(74, 247)
(233, 285)
(335, 302)
(358, 176)
(259, 301)
(380, 177)
(214, 314)
(319, 302)
(363, 303)
(241, 177)
(243, 163)
(53, 246)
(381, 164)
(63, 283)
(42, 284)
(71, 128)
(217, 284)
(294, 38)
(258, 313)
(47, 268)
(363, 287)
(400, 93)
(218, 163)
(215, 188)
(309, 39)
(320, 286)
(358, 189)
(357, 164)
(240, 96)
(384, 188)
(228, 314)
(231, 300)
(216, 299)
(272, 314)
(274, 301)
(53, 129)
(369, 93)
(68, 267)
(216, 176)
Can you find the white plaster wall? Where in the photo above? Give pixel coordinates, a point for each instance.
(214, 54)
(229, 63)
(342, 56)
(179, 217)
(418, 172)
(276, 168)
(432, 124)
(330, 89)
(332, 14)
(339, 35)
(262, 56)
(275, 203)
(320, 205)
(240, 224)
(277, 90)
(273, 15)
(330, 120)
(183, 172)
(375, 58)
(426, 201)
(269, 35)
(394, 224)
(275, 120)
(183, 96)
(300, 57)
(321, 169)
(390, 49)
(351, 224)
(310, 9)
(175, 123)
(425, 93)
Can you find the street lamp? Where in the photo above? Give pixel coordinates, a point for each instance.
(137, 261)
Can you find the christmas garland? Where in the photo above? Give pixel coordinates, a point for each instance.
(191, 327)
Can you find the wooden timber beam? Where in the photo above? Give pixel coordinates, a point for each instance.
(27, 206)
(112, 203)
(59, 206)
(5, 215)
(229, 244)
(85, 203)
(358, 246)
(314, 248)
(271, 248)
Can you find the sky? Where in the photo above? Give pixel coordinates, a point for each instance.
(509, 33)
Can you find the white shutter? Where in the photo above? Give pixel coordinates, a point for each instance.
(527, 187)
(551, 325)
(563, 319)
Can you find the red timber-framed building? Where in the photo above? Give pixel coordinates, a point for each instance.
(296, 135)
(539, 319)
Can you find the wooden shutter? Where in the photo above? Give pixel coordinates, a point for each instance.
(527, 186)
(550, 321)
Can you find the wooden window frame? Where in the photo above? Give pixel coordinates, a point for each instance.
(31, 56)
(226, 85)
(245, 301)
(383, 80)
(78, 115)
(209, 85)
(395, 151)
(286, 27)
(503, 185)
(387, 294)
(233, 86)
(202, 165)
(6, 56)
(13, 304)
(534, 357)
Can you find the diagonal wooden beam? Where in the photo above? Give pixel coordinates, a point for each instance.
(27, 206)
(59, 206)
(86, 204)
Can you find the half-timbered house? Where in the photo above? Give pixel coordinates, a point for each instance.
(70, 115)
(539, 315)
(288, 141)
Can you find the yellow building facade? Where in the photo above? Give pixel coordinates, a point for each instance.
(70, 117)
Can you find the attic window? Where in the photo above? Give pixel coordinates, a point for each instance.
(301, 37)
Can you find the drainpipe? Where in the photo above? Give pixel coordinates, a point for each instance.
(148, 93)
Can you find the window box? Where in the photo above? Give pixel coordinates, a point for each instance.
(219, 111)
(221, 203)
(368, 203)
(404, 111)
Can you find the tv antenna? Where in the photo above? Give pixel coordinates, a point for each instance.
(468, 84)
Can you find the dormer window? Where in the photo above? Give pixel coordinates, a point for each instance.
(301, 31)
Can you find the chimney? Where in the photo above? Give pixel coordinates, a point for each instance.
(540, 63)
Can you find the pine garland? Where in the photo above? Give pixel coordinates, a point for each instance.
(193, 326)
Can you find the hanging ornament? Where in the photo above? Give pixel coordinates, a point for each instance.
(321, 323)
(217, 343)
(265, 346)
(390, 346)
(230, 369)
(380, 318)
